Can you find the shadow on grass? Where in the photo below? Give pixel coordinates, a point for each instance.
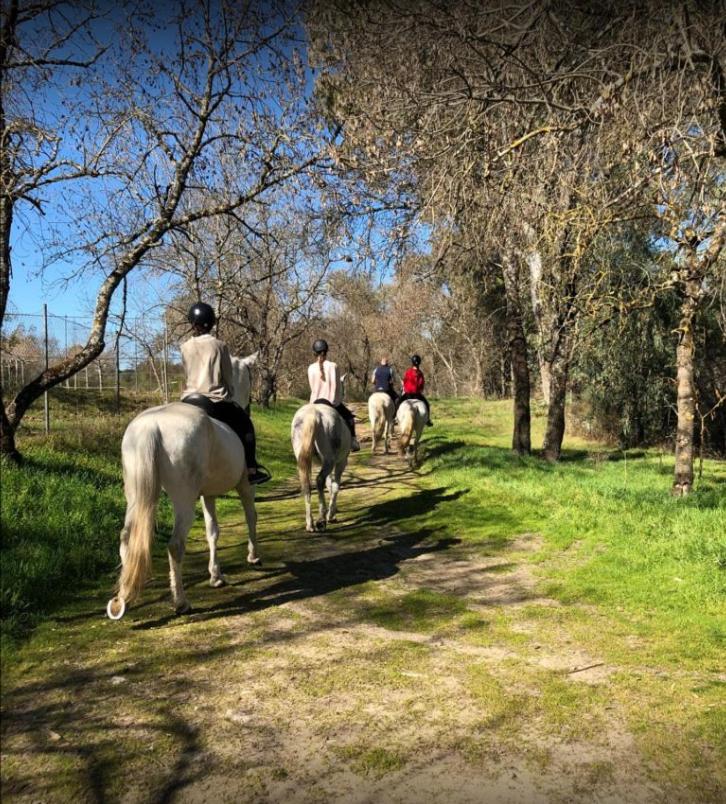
(73, 730)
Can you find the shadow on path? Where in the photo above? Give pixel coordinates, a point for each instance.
(320, 576)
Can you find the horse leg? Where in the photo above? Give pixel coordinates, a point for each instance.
(124, 536)
(325, 470)
(209, 508)
(334, 488)
(309, 525)
(183, 519)
(246, 493)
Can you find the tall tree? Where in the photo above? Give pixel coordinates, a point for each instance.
(162, 133)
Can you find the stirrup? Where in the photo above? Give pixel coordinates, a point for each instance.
(261, 476)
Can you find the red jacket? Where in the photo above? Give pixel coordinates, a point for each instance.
(413, 381)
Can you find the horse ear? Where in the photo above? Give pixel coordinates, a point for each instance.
(342, 379)
(250, 360)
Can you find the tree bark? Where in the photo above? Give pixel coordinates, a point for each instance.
(534, 264)
(7, 432)
(555, 431)
(268, 389)
(521, 434)
(690, 280)
(686, 401)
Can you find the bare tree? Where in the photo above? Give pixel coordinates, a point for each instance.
(205, 123)
(265, 275)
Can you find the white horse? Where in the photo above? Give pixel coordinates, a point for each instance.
(381, 412)
(321, 429)
(412, 416)
(179, 449)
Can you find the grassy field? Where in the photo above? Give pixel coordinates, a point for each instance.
(552, 632)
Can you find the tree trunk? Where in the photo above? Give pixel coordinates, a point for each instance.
(545, 377)
(7, 438)
(7, 430)
(537, 293)
(555, 431)
(686, 404)
(521, 435)
(268, 389)
(690, 279)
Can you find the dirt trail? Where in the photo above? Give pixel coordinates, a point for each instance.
(365, 664)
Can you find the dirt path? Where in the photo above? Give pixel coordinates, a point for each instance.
(366, 664)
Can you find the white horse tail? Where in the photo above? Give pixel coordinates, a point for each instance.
(143, 488)
(379, 420)
(407, 427)
(307, 450)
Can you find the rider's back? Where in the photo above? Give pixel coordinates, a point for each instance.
(207, 367)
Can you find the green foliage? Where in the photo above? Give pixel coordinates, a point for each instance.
(61, 514)
(626, 375)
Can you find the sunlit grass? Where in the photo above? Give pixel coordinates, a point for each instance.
(613, 535)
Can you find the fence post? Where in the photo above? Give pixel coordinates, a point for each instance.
(166, 360)
(118, 373)
(46, 408)
(65, 327)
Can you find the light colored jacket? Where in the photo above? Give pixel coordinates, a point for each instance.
(208, 368)
(325, 385)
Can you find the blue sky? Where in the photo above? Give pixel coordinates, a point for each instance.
(31, 285)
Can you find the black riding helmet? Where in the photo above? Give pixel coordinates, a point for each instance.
(202, 315)
(416, 360)
(320, 346)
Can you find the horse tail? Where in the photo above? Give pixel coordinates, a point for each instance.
(307, 449)
(407, 426)
(143, 488)
(379, 420)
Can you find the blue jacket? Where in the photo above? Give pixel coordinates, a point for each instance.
(383, 378)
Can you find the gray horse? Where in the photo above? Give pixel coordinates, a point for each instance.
(320, 428)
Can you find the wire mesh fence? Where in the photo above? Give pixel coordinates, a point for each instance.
(141, 357)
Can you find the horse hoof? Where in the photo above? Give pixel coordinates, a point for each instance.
(183, 608)
(320, 525)
(255, 562)
(217, 583)
(116, 608)
(332, 519)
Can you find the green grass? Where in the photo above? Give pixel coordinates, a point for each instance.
(613, 536)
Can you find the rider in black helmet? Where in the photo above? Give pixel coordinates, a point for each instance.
(209, 383)
(326, 387)
(413, 385)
